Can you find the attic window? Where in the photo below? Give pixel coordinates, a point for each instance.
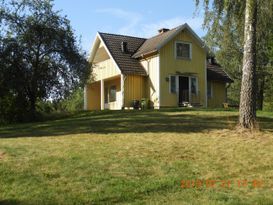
(183, 50)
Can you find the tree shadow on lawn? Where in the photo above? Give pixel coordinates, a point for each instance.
(10, 202)
(108, 122)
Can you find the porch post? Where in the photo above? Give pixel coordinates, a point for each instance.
(102, 94)
(85, 96)
(206, 85)
(190, 97)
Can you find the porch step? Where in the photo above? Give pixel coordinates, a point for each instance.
(196, 104)
(187, 104)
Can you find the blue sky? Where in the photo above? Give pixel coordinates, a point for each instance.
(129, 17)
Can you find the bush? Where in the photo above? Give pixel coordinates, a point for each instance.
(74, 102)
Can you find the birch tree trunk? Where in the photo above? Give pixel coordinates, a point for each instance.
(247, 118)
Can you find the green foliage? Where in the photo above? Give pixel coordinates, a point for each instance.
(268, 78)
(225, 23)
(71, 104)
(40, 57)
(74, 102)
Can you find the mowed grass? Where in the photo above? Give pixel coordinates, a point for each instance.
(136, 157)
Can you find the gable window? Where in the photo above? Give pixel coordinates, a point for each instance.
(172, 84)
(112, 93)
(183, 50)
(193, 84)
(209, 89)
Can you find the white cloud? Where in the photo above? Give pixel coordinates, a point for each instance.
(134, 23)
(149, 30)
(132, 19)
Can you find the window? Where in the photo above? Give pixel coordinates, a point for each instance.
(106, 100)
(112, 93)
(193, 84)
(172, 84)
(209, 89)
(183, 50)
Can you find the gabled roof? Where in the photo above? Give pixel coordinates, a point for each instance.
(125, 62)
(151, 44)
(128, 62)
(155, 43)
(216, 73)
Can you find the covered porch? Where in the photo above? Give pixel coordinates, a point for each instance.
(104, 94)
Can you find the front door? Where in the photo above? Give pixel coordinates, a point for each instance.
(183, 89)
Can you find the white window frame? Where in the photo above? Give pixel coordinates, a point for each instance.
(175, 49)
(170, 84)
(177, 84)
(196, 78)
(109, 93)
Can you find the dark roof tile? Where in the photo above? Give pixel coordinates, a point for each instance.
(150, 45)
(126, 63)
(216, 73)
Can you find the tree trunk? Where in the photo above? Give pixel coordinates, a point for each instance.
(247, 117)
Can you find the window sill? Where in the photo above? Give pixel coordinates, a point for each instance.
(186, 59)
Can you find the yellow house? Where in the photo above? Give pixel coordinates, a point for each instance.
(170, 69)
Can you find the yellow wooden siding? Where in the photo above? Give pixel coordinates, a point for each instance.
(134, 89)
(218, 95)
(151, 66)
(93, 96)
(169, 65)
(105, 69)
(101, 55)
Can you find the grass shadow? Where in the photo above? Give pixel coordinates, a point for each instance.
(10, 202)
(155, 121)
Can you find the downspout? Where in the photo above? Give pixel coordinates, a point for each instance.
(206, 84)
(227, 86)
(123, 97)
(148, 77)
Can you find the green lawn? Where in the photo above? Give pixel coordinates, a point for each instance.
(136, 157)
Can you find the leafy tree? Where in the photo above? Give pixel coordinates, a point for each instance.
(227, 43)
(40, 54)
(232, 28)
(247, 116)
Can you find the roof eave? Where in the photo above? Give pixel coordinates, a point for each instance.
(153, 52)
(221, 80)
(94, 48)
